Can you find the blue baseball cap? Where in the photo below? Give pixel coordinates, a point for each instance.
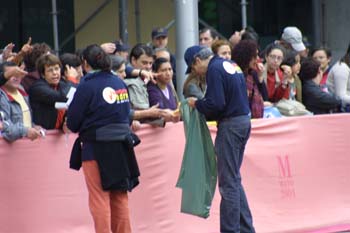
(158, 32)
(195, 51)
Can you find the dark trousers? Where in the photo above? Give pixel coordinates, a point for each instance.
(232, 136)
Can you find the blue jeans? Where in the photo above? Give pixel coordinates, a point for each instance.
(231, 138)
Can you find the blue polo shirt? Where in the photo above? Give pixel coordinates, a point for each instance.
(226, 94)
(101, 99)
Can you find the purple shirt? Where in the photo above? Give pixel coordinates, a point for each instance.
(156, 96)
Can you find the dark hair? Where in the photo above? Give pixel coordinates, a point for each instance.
(327, 51)
(243, 53)
(289, 58)
(309, 69)
(31, 58)
(117, 62)
(346, 57)
(69, 59)
(271, 47)
(250, 34)
(97, 58)
(6, 64)
(212, 33)
(218, 43)
(158, 62)
(47, 60)
(139, 49)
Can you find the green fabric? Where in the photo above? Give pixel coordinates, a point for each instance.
(198, 172)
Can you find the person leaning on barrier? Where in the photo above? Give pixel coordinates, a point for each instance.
(48, 90)
(15, 109)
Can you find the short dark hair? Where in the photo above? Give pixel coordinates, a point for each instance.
(69, 59)
(139, 49)
(97, 58)
(309, 69)
(117, 62)
(158, 62)
(212, 33)
(31, 58)
(289, 58)
(47, 60)
(6, 64)
(327, 51)
(274, 46)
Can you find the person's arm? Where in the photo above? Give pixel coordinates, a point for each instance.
(12, 131)
(154, 96)
(77, 108)
(11, 71)
(341, 78)
(43, 93)
(214, 99)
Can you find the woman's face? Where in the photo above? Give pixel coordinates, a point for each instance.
(254, 60)
(121, 71)
(52, 74)
(322, 58)
(224, 51)
(143, 62)
(274, 59)
(165, 73)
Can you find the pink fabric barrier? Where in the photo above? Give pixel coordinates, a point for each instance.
(296, 175)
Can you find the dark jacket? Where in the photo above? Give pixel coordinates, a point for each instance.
(42, 100)
(317, 101)
(226, 94)
(99, 111)
(113, 148)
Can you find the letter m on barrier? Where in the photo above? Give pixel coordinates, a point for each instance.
(284, 166)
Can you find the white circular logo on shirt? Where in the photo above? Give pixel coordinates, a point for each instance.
(229, 67)
(109, 95)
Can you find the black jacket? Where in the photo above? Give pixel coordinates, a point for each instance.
(113, 148)
(317, 101)
(42, 100)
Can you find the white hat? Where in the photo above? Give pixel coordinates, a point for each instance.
(292, 35)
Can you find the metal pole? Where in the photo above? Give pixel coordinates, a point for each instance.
(244, 13)
(186, 35)
(55, 26)
(317, 23)
(137, 21)
(123, 20)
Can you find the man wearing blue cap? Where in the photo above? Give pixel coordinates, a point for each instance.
(226, 102)
(160, 41)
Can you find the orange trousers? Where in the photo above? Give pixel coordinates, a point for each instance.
(109, 209)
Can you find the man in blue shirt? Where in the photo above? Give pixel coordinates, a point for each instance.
(226, 102)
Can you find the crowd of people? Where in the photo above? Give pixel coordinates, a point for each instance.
(230, 81)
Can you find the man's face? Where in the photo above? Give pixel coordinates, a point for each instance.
(205, 39)
(13, 82)
(143, 62)
(160, 42)
(200, 67)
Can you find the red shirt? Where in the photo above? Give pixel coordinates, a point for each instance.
(276, 92)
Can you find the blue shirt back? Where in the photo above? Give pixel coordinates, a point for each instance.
(99, 100)
(226, 94)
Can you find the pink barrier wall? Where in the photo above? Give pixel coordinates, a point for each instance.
(296, 175)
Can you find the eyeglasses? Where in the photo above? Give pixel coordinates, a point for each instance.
(277, 58)
(53, 69)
